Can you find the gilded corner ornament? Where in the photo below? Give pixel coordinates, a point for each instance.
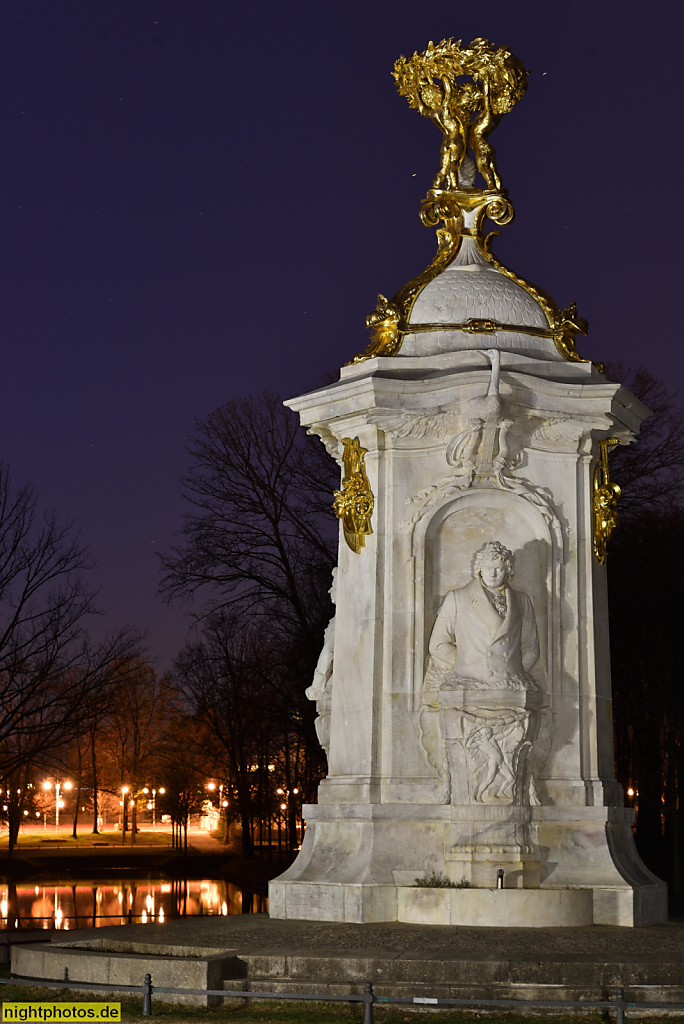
(354, 503)
(606, 495)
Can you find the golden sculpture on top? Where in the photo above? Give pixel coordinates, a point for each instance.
(465, 91)
(466, 112)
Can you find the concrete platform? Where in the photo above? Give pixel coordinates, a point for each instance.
(253, 952)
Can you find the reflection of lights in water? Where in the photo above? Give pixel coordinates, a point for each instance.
(3, 908)
(160, 916)
(144, 917)
(165, 887)
(36, 890)
(149, 903)
(130, 898)
(58, 918)
(66, 924)
(224, 908)
(120, 897)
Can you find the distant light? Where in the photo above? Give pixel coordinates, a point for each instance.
(47, 785)
(25, 813)
(150, 806)
(60, 804)
(68, 785)
(161, 789)
(279, 792)
(124, 789)
(160, 915)
(145, 790)
(211, 785)
(630, 791)
(224, 908)
(224, 804)
(37, 814)
(271, 767)
(36, 890)
(295, 791)
(283, 807)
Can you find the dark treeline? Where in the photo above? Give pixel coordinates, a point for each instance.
(645, 574)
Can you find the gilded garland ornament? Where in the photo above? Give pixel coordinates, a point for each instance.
(354, 503)
(465, 91)
(606, 495)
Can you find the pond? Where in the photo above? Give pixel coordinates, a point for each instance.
(92, 903)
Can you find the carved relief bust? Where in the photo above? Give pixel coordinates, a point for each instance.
(480, 713)
(485, 634)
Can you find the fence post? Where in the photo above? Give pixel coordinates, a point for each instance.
(368, 998)
(147, 996)
(620, 1005)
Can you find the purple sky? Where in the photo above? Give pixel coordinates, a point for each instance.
(202, 199)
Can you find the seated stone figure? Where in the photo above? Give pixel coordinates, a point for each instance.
(485, 634)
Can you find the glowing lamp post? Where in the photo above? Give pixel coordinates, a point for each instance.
(59, 803)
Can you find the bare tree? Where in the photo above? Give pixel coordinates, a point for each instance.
(50, 671)
(228, 678)
(650, 472)
(260, 535)
(137, 727)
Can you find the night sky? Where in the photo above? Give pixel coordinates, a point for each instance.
(201, 200)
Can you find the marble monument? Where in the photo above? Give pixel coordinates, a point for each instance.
(464, 692)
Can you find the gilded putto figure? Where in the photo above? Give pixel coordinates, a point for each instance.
(465, 112)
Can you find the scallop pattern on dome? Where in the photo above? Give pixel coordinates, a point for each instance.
(458, 295)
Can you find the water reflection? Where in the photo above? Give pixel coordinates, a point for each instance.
(94, 904)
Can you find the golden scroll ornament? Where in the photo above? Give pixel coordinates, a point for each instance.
(606, 495)
(354, 503)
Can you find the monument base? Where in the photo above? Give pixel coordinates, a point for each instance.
(576, 866)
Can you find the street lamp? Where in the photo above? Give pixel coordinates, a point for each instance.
(59, 804)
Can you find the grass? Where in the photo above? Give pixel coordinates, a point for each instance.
(65, 841)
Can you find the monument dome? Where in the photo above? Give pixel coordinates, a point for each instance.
(470, 291)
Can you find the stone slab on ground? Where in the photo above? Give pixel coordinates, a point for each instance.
(406, 960)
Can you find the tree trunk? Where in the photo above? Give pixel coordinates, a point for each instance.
(247, 844)
(74, 831)
(93, 758)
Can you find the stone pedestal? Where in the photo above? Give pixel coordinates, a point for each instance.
(465, 448)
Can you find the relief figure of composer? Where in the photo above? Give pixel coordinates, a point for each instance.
(479, 699)
(485, 634)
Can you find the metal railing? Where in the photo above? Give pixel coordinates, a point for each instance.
(618, 1005)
